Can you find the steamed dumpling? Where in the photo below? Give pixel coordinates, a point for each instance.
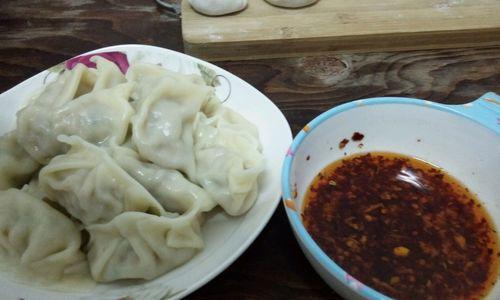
(218, 7)
(99, 117)
(229, 159)
(35, 122)
(91, 186)
(43, 119)
(142, 246)
(108, 74)
(162, 129)
(16, 166)
(33, 188)
(174, 192)
(38, 239)
(147, 77)
(292, 3)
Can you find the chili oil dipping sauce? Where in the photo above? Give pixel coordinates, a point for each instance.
(403, 227)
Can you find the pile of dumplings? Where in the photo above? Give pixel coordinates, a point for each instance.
(108, 175)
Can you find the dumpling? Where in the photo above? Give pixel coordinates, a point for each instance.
(218, 7)
(35, 122)
(33, 188)
(53, 111)
(100, 117)
(16, 166)
(142, 246)
(91, 186)
(162, 129)
(292, 3)
(37, 239)
(147, 77)
(228, 159)
(108, 74)
(174, 192)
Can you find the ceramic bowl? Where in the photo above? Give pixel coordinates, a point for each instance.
(462, 139)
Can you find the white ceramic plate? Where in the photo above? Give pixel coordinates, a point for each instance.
(225, 237)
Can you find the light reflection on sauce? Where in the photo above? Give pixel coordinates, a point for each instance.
(407, 175)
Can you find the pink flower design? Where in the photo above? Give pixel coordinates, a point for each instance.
(119, 58)
(290, 152)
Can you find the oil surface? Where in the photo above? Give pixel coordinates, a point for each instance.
(403, 227)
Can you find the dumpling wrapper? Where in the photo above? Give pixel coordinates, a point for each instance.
(100, 117)
(16, 165)
(33, 188)
(76, 103)
(228, 159)
(91, 186)
(169, 187)
(35, 122)
(136, 245)
(38, 239)
(162, 128)
(147, 77)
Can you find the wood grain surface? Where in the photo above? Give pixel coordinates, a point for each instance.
(264, 31)
(35, 35)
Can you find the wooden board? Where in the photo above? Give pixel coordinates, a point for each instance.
(264, 31)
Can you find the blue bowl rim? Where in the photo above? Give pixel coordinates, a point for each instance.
(486, 112)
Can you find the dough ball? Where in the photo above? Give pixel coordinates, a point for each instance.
(218, 7)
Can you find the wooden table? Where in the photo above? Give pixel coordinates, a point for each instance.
(36, 34)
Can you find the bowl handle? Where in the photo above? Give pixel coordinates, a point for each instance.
(485, 110)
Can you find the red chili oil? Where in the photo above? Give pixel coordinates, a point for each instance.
(404, 227)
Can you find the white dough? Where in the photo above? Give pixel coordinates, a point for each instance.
(162, 128)
(140, 245)
(33, 188)
(99, 117)
(292, 3)
(88, 102)
(218, 7)
(16, 166)
(91, 186)
(37, 239)
(228, 158)
(35, 122)
(174, 192)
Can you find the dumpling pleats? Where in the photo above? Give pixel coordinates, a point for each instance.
(229, 159)
(136, 245)
(35, 122)
(76, 103)
(162, 129)
(38, 238)
(174, 192)
(16, 165)
(91, 186)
